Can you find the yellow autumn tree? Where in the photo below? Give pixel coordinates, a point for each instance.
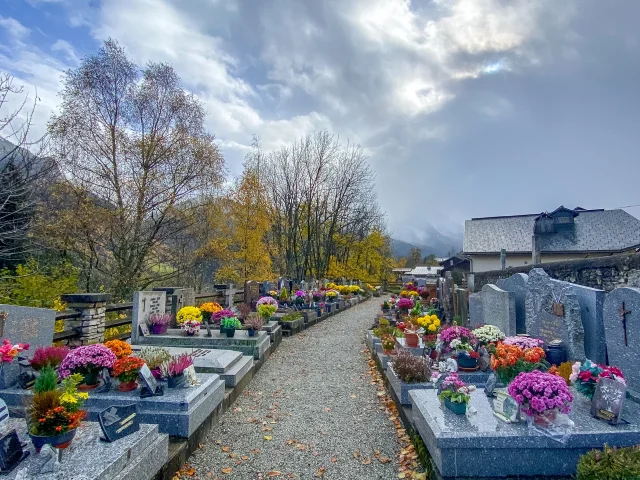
(241, 245)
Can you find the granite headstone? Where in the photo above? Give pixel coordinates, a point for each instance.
(11, 453)
(541, 322)
(622, 331)
(499, 308)
(476, 314)
(27, 325)
(145, 304)
(517, 284)
(608, 400)
(118, 421)
(251, 291)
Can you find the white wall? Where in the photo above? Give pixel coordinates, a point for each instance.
(485, 263)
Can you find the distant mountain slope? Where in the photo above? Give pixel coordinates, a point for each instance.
(429, 241)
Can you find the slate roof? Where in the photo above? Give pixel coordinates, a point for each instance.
(594, 231)
(425, 271)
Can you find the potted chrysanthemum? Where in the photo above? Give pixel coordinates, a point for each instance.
(126, 370)
(87, 361)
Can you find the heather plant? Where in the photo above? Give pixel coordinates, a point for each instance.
(244, 310)
(51, 356)
(159, 319)
(154, 356)
(254, 322)
(176, 366)
(411, 368)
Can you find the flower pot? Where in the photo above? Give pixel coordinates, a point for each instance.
(221, 330)
(158, 329)
(251, 332)
(90, 381)
(127, 386)
(230, 332)
(56, 441)
(387, 352)
(556, 354)
(465, 361)
(412, 340)
(175, 382)
(457, 408)
(157, 374)
(190, 334)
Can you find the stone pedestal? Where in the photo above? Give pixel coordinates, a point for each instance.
(91, 323)
(291, 328)
(138, 456)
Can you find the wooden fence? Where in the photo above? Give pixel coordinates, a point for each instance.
(119, 315)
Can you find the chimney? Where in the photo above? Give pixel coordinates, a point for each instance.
(535, 251)
(503, 259)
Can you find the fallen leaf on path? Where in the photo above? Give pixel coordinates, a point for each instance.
(356, 454)
(255, 451)
(320, 472)
(268, 438)
(244, 457)
(353, 396)
(227, 470)
(274, 473)
(266, 429)
(334, 459)
(226, 449)
(366, 461)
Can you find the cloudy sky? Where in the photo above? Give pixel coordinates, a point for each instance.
(466, 107)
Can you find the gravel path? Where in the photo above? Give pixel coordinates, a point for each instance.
(310, 412)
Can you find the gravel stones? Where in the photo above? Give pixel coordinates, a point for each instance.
(310, 407)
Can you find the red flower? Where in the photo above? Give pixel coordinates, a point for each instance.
(474, 355)
(586, 376)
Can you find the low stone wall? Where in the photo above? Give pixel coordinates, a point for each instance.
(605, 273)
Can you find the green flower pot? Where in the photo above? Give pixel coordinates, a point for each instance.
(457, 408)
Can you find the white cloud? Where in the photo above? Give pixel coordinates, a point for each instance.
(13, 27)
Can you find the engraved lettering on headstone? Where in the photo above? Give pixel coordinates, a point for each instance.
(623, 313)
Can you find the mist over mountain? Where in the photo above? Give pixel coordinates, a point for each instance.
(428, 239)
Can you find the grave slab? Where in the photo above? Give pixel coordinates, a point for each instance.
(456, 442)
(255, 346)
(179, 412)
(138, 456)
(517, 284)
(542, 322)
(28, 325)
(622, 329)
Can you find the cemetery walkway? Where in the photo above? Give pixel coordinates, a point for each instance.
(310, 412)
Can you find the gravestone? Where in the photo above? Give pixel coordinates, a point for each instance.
(145, 304)
(499, 308)
(622, 331)
(11, 452)
(251, 291)
(476, 314)
(179, 297)
(591, 302)
(27, 325)
(542, 322)
(462, 305)
(517, 284)
(188, 297)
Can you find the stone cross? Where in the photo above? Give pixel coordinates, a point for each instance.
(623, 313)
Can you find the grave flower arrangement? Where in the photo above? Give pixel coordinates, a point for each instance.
(317, 295)
(10, 351)
(524, 342)
(404, 304)
(230, 325)
(508, 361)
(153, 357)
(383, 328)
(55, 410)
(488, 334)
(158, 322)
(540, 392)
(273, 294)
(388, 343)
(221, 314)
(51, 356)
(190, 327)
(173, 370)
(386, 305)
(585, 376)
(331, 295)
(208, 309)
(189, 313)
(423, 292)
(411, 368)
(266, 311)
(126, 370)
(88, 360)
(119, 348)
(253, 323)
(431, 323)
(455, 394)
(299, 297)
(464, 336)
(267, 301)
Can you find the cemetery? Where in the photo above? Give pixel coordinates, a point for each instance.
(534, 368)
(118, 402)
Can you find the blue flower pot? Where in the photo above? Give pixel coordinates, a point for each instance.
(465, 361)
(56, 441)
(457, 408)
(251, 332)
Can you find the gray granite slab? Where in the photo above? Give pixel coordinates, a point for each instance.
(178, 412)
(241, 342)
(235, 374)
(28, 325)
(138, 456)
(517, 284)
(456, 442)
(624, 350)
(401, 388)
(542, 293)
(205, 360)
(476, 314)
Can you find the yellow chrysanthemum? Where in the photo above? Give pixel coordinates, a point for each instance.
(432, 328)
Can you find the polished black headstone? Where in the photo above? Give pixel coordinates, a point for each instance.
(119, 421)
(150, 387)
